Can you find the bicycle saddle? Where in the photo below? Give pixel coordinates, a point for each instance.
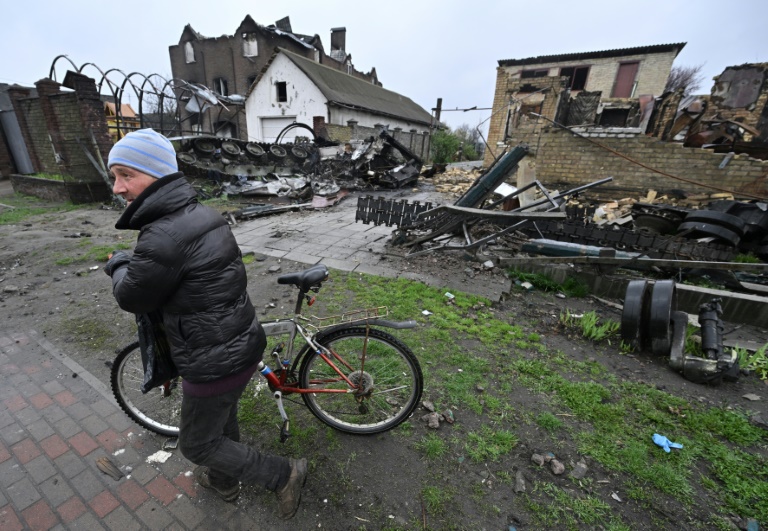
(307, 279)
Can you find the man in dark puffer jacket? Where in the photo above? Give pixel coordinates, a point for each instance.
(187, 265)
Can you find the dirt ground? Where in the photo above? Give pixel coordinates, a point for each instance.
(72, 306)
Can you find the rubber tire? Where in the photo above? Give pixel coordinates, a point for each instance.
(727, 221)
(634, 314)
(663, 303)
(151, 411)
(701, 229)
(396, 405)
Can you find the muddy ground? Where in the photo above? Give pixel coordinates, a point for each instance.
(357, 483)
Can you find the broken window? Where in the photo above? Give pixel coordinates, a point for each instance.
(250, 45)
(224, 129)
(189, 52)
(577, 76)
(282, 91)
(220, 86)
(250, 81)
(527, 74)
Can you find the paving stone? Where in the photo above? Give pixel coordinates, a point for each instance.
(13, 433)
(132, 494)
(78, 411)
(65, 398)
(144, 473)
(25, 451)
(71, 509)
(40, 516)
(40, 469)
(154, 515)
(27, 416)
(56, 490)
(67, 427)
(87, 521)
(22, 494)
(87, 484)
(104, 503)
(119, 421)
(10, 472)
(53, 387)
(83, 443)
(162, 489)
(41, 400)
(53, 413)
(40, 430)
(121, 520)
(187, 512)
(70, 464)
(94, 425)
(54, 446)
(104, 408)
(6, 419)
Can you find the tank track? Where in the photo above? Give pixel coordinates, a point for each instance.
(616, 237)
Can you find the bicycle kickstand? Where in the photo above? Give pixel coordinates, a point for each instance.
(284, 431)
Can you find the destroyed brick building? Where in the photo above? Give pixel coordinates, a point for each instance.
(577, 136)
(230, 64)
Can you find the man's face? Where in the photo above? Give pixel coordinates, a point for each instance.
(129, 183)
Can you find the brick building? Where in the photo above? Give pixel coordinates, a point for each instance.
(604, 86)
(229, 64)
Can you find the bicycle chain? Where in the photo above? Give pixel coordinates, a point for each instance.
(623, 239)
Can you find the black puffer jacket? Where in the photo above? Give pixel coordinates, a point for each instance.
(188, 265)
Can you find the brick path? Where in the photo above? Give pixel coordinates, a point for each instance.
(56, 420)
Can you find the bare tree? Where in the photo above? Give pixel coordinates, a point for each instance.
(689, 78)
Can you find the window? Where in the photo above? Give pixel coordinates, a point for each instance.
(189, 52)
(250, 45)
(220, 86)
(282, 91)
(577, 76)
(527, 74)
(250, 81)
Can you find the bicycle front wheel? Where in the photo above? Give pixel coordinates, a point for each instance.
(380, 377)
(160, 409)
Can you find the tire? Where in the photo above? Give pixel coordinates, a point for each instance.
(391, 374)
(155, 410)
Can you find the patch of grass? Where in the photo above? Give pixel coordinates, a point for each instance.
(92, 253)
(591, 326)
(572, 287)
(52, 177)
(548, 421)
(489, 445)
(90, 333)
(748, 258)
(432, 446)
(754, 361)
(435, 498)
(25, 207)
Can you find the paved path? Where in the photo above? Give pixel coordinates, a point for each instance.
(56, 420)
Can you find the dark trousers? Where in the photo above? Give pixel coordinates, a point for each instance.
(210, 436)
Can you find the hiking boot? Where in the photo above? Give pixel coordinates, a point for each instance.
(228, 494)
(289, 496)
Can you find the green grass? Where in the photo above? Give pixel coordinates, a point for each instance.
(24, 207)
(92, 253)
(477, 364)
(572, 287)
(754, 361)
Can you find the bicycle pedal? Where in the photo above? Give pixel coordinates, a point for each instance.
(284, 431)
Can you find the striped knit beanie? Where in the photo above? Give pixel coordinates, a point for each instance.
(147, 151)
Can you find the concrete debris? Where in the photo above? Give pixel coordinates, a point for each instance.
(557, 467)
(519, 481)
(579, 471)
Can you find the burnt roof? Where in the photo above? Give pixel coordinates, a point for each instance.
(601, 54)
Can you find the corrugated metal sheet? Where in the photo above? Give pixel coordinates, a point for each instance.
(619, 52)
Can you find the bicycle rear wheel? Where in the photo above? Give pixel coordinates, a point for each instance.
(386, 383)
(160, 409)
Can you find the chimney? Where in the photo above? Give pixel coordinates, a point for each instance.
(338, 39)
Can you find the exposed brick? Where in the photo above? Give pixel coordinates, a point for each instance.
(65, 398)
(9, 520)
(111, 440)
(132, 494)
(40, 516)
(104, 503)
(71, 509)
(25, 451)
(162, 489)
(15, 403)
(54, 446)
(186, 482)
(41, 400)
(83, 443)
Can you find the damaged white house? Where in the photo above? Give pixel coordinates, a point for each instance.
(292, 88)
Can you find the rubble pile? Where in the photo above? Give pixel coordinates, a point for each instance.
(455, 181)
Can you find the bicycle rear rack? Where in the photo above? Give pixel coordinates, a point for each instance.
(355, 316)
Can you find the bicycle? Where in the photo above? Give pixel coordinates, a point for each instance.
(351, 375)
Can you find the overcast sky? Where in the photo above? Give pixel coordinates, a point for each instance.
(423, 49)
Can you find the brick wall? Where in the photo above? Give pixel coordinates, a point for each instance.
(563, 160)
(6, 163)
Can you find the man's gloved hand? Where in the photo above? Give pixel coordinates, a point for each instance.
(665, 443)
(116, 260)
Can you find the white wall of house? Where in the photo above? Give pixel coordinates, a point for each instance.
(263, 113)
(266, 116)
